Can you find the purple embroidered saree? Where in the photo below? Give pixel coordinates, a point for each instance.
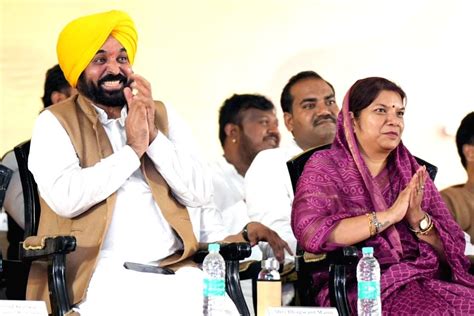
(336, 184)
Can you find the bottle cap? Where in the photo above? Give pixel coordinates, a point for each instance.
(213, 247)
(368, 250)
(270, 264)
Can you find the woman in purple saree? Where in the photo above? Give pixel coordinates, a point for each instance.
(369, 190)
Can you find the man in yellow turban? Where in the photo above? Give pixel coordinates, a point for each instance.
(120, 172)
(100, 160)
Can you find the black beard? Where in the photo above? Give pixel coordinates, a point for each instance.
(247, 151)
(98, 95)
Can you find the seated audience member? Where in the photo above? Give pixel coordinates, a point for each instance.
(56, 89)
(460, 198)
(368, 190)
(247, 125)
(120, 172)
(309, 108)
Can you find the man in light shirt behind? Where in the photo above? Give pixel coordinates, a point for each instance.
(247, 125)
(309, 110)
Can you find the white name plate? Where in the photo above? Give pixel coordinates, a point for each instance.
(22, 308)
(299, 311)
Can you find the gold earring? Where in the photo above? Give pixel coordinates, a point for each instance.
(234, 140)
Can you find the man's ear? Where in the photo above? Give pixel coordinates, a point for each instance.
(288, 119)
(232, 132)
(57, 96)
(468, 152)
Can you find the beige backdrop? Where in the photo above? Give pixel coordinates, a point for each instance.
(197, 53)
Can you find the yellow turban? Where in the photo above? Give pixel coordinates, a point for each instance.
(80, 40)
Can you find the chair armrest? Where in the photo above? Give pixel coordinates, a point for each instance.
(346, 255)
(229, 251)
(340, 263)
(53, 249)
(36, 247)
(236, 251)
(310, 261)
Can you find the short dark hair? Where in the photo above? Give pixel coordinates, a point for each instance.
(286, 99)
(54, 81)
(364, 92)
(232, 108)
(465, 135)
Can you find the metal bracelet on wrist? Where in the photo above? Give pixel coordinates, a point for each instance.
(245, 233)
(377, 224)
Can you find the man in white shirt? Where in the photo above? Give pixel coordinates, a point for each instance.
(309, 108)
(247, 125)
(119, 171)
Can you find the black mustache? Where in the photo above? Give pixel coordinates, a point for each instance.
(272, 135)
(318, 120)
(110, 77)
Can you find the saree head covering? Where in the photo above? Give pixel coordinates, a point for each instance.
(336, 184)
(80, 40)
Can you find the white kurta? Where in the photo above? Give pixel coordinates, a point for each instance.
(229, 195)
(229, 199)
(138, 232)
(269, 196)
(268, 191)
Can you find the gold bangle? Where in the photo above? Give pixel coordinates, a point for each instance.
(372, 228)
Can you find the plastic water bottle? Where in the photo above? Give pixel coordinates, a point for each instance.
(368, 284)
(268, 286)
(214, 282)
